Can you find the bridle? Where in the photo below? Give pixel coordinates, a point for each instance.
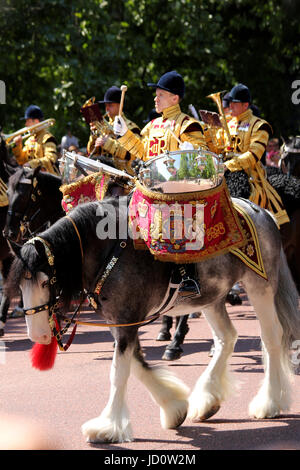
(25, 218)
(53, 304)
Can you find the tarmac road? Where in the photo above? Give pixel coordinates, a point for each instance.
(56, 403)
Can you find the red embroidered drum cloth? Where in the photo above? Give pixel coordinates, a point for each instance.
(185, 227)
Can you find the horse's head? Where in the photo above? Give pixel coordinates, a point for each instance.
(290, 156)
(33, 272)
(23, 195)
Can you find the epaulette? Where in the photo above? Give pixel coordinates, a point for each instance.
(48, 137)
(190, 124)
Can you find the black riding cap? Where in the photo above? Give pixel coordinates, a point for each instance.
(112, 95)
(240, 94)
(172, 82)
(33, 112)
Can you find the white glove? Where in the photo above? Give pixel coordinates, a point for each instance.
(120, 127)
(186, 146)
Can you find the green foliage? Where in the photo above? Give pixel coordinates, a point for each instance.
(59, 53)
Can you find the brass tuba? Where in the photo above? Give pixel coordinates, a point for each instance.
(28, 131)
(216, 97)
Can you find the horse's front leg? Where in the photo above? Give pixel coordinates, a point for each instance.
(113, 424)
(214, 385)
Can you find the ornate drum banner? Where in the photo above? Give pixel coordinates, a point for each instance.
(77, 189)
(90, 188)
(184, 227)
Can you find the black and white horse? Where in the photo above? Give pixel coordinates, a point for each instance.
(128, 286)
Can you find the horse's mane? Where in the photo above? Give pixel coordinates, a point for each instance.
(288, 188)
(65, 247)
(48, 179)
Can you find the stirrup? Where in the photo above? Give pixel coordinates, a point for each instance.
(189, 288)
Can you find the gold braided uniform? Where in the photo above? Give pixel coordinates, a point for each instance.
(38, 149)
(156, 139)
(250, 135)
(113, 147)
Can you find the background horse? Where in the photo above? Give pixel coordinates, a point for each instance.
(34, 203)
(290, 157)
(135, 286)
(7, 167)
(288, 188)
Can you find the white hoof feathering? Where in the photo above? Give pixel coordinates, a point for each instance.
(173, 398)
(104, 429)
(263, 406)
(207, 396)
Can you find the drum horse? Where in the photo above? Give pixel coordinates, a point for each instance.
(129, 287)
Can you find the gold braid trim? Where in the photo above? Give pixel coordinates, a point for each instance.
(69, 188)
(3, 195)
(197, 195)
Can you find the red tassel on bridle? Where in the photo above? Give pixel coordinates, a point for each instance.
(43, 355)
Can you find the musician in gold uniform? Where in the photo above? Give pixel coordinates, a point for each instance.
(172, 131)
(165, 132)
(107, 145)
(40, 148)
(249, 138)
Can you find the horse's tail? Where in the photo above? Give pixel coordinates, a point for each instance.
(286, 301)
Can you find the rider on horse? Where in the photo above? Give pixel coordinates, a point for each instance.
(163, 133)
(40, 148)
(249, 136)
(173, 130)
(106, 144)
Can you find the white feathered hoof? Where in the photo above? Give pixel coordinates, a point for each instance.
(173, 414)
(105, 430)
(208, 414)
(260, 410)
(201, 410)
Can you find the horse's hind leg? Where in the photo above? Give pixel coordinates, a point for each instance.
(169, 392)
(274, 393)
(173, 350)
(113, 424)
(214, 385)
(164, 333)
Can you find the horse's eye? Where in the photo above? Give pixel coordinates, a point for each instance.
(45, 284)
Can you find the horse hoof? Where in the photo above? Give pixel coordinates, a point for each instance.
(172, 354)
(163, 336)
(208, 414)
